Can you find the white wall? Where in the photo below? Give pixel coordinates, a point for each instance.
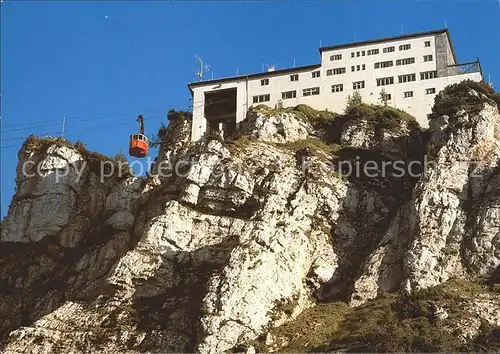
(418, 106)
(199, 122)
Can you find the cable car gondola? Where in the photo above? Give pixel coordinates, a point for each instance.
(139, 142)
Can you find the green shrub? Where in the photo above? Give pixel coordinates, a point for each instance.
(174, 115)
(353, 101)
(455, 97)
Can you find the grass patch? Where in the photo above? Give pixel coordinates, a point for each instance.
(239, 144)
(390, 323)
(318, 147)
(313, 327)
(318, 119)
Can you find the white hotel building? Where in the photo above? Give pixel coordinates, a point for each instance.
(411, 69)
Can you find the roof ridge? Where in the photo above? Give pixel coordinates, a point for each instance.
(384, 39)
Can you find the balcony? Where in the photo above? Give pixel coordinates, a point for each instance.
(466, 68)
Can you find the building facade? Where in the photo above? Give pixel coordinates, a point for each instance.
(409, 69)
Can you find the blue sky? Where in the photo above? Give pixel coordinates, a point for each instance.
(103, 63)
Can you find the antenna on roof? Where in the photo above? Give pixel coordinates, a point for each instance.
(199, 74)
(445, 24)
(320, 42)
(237, 72)
(203, 69)
(402, 29)
(269, 68)
(294, 62)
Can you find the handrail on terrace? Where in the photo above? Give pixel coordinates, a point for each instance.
(465, 68)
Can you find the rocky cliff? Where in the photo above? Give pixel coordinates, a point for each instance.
(305, 231)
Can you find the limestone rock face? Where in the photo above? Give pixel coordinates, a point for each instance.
(46, 194)
(450, 227)
(275, 128)
(235, 238)
(403, 140)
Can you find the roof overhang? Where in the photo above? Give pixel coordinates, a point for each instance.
(386, 39)
(298, 69)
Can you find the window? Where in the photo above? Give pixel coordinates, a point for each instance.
(430, 91)
(289, 94)
(428, 57)
(388, 49)
(353, 68)
(363, 53)
(384, 64)
(337, 71)
(405, 61)
(261, 98)
(428, 75)
(264, 82)
(404, 46)
(408, 94)
(372, 51)
(310, 91)
(352, 55)
(358, 54)
(335, 57)
(385, 81)
(315, 74)
(338, 88)
(427, 43)
(387, 96)
(363, 67)
(358, 85)
(294, 77)
(407, 78)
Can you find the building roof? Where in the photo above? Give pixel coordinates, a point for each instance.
(253, 76)
(395, 38)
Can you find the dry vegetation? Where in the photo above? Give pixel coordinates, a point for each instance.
(40, 145)
(391, 323)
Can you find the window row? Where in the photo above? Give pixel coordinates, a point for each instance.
(389, 49)
(338, 71)
(357, 85)
(361, 84)
(358, 67)
(403, 61)
(305, 92)
(407, 78)
(293, 77)
(362, 53)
